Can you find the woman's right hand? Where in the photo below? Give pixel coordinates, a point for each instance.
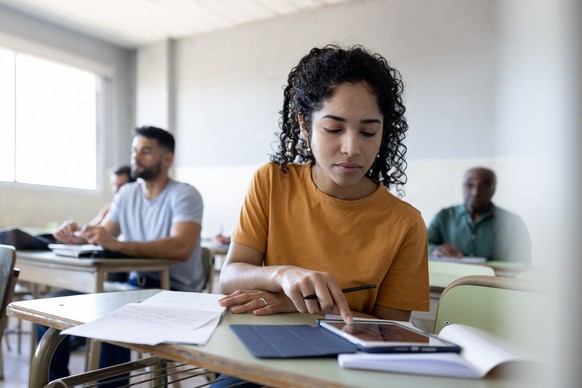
(297, 283)
(68, 233)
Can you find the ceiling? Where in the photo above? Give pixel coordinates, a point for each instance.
(134, 23)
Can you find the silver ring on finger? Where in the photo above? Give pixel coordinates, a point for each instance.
(264, 301)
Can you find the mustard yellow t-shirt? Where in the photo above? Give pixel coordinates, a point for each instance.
(378, 239)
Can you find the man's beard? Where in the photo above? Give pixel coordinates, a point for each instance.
(146, 173)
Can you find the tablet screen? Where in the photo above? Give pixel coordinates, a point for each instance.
(389, 337)
(385, 332)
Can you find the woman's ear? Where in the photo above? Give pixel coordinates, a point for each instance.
(304, 132)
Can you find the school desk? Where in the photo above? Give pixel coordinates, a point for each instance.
(83, 274)
(224, 353)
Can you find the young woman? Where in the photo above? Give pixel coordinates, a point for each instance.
(319, 217)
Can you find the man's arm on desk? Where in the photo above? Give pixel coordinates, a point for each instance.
(178, 245)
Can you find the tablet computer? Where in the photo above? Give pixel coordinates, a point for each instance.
(388, 337)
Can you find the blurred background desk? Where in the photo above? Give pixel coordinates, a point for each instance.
(218, 251)
(82, 274)
(224, 353)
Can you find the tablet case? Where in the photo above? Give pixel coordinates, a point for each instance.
(291, 341)
(19, 239)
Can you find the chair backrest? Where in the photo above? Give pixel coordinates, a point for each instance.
(7, 275)
(208, 261)
(506, 307)
(443, 273)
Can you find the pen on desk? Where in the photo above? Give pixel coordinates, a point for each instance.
(345, 290)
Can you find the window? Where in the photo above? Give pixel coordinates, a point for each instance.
(48, 122)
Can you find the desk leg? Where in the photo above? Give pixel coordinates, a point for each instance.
(100, 277)
(40, 363)
(93, 352)
(165, 279)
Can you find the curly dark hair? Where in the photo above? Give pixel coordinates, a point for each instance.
(314, 80)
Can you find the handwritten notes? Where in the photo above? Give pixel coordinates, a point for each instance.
(169, 316)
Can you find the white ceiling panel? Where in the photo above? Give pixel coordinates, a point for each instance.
(133, 23)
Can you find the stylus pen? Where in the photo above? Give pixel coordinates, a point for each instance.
(345, 290)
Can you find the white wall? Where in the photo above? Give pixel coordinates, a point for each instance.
(230, 82)
(153, 77)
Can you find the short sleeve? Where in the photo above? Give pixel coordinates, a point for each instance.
(253, 225)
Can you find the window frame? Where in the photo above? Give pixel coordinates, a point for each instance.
(104, 72)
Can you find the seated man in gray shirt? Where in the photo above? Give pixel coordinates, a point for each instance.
(157, 216)
(478, 227)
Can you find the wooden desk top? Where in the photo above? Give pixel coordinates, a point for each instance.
(49, 258)
(224, 353)
(83, 274)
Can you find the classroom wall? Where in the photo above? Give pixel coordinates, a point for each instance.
(30, 205)
(450, 53)
(231, 81)
(154, 93)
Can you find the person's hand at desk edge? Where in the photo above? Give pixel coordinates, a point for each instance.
(69, 232)
(220, 239)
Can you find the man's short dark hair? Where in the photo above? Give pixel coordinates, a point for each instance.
(164, 138)
(123, 169)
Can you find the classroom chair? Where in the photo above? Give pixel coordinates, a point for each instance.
(21, 292)
(8, 278)
(208, 262)
(506, 307)
(441, 274)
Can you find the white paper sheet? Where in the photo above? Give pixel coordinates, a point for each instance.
(169, 316)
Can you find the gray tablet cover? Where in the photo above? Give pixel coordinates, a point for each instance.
(291, 341)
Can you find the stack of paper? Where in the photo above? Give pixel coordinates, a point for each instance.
(170, 317)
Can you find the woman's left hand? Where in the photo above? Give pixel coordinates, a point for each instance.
(258, 302)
